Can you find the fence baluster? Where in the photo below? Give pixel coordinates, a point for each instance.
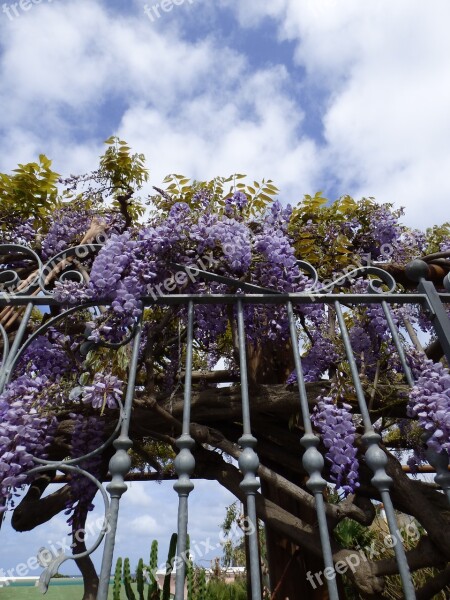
(119, 466)
(377, 461)
(184, 464)
(248, 461)
(312, 459)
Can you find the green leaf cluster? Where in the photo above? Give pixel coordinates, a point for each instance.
(126, 174)
(125, 170)
(31, 191)
(181, 189)
(435, 236)
(321, 233)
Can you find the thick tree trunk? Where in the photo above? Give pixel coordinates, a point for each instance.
(85, 564)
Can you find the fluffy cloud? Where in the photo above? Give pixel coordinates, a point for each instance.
(378, 72)
(384, 70)
(191, 107)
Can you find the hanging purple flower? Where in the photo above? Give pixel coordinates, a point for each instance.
(335, 424)
(106, 390)
(429, 402)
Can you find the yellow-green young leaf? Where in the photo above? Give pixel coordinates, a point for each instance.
(251, 190)
(265, 197)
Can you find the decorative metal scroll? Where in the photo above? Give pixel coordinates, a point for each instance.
(36, 290)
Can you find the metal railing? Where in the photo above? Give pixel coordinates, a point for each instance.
(34, 292)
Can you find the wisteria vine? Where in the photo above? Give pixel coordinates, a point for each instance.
(242, 235)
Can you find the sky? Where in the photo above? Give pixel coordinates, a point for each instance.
(346, 97)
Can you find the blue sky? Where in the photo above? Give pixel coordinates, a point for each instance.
(345, 96)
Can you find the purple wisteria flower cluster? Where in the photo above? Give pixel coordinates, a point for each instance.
(129, 264)
(429, 402)
(445, 245)
(335, 424)
(238, 200)
(24, 431)
(381, 233)
(47, 356)
(106, 391)
(67, 227)
(322, 355)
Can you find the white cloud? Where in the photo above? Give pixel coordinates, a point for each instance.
(385, 67)
(190, 107)
(138, 495)
(198, 108)
(144, 526)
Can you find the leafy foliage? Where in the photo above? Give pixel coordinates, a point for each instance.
(30, 192)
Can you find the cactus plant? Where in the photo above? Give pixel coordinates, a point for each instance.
(117, 579)
(169, 566)
(153, 589)
(140, 579)
(127, 580)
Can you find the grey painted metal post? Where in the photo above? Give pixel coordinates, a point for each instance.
(418, 270)
(313, 459)
(248, 462)
(377, 461)
(119, 466)
(184, 464)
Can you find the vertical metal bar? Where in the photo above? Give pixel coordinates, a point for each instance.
(418, 271)
(119, 465)
(5, 371)
(438, 315)
(397, 342)
(377, 461)
(248, 461)
(312, 459)
(184, 463)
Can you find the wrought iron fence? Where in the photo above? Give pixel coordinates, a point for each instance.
(34, 292)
